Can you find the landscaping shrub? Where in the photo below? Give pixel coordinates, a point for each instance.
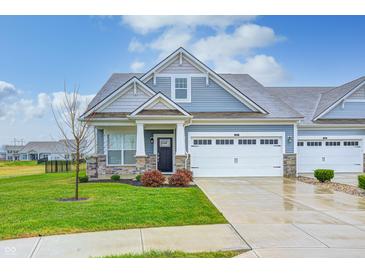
(115, 177)
(182, 177)
(187, 173)
(84, 179)
(152, 178)
(361, 179)
(323, 175)
(138, 177)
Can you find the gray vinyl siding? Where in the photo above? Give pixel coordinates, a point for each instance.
(128, 102)
(288, 129)
(354, 110)
(177, 68)
(211, 98)
(148, 134)
(100, 141)
(163, 85)
(333, 132)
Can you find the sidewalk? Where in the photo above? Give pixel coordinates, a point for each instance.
(93, 244)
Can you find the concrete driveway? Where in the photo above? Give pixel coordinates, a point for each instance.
(284, 218)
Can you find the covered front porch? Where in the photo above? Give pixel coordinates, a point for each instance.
(129, 150)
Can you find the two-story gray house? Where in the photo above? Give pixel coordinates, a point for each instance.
(182, 114)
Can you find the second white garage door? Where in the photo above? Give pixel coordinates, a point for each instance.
(236, 156)
(339, 155)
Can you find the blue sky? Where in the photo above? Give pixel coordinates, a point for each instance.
(39, 53)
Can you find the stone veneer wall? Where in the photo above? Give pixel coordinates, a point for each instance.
(97, 168)
(290, 165)
(364, 164)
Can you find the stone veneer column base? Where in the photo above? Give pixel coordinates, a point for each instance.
(290, 165)
(180, 161)
(364, 163)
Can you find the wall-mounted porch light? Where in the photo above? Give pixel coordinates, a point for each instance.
(152, 140)
(290, 139)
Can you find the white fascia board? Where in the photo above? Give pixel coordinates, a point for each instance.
(331, 126)
(240, 121)
(202, 67)
(153, 99)
(339, 101)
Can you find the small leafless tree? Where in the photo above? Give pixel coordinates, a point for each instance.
(76, 132)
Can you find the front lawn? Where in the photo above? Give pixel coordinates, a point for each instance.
(179, 254)
(29, 206)
(20, 168)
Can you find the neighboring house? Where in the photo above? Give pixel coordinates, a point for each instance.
(51, 150)
(2, 155)
(182, 114)
(12, 152)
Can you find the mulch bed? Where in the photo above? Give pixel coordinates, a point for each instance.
(349, 189)
(72, 199)
(131, 182)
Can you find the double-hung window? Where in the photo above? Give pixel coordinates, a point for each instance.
(181, 91)
(121, 149)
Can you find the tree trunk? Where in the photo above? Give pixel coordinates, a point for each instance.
(77, 171)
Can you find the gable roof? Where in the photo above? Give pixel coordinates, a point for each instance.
(303, 99)
(46, 147)
(116, 81)
(333, 97)
(114, 93)
(221, 81)
(163, 98)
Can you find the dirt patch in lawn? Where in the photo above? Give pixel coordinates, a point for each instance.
(349, 189)
(72, 199)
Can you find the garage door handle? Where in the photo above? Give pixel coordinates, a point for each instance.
(194, 167)
(357, 164)
(276, 166)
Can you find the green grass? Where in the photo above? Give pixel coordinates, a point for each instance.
(18, 163)
(29, 206)
(20, 168)
(179, 254)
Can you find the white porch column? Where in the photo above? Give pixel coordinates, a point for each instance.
(140, 150)
(180, 139)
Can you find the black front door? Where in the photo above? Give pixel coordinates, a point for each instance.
(164, 156)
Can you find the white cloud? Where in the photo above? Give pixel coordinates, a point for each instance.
(7, 90)
(261, 67)
(240, 42)
(145, 24)
(136, 46)
(170, 40)
(137, 66)
(227, 44)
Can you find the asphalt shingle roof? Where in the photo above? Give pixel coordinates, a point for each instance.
(334, 95)
(302, 99)
(45, 147)
(244, 83)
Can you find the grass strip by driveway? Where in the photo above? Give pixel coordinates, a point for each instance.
(29, 206)
(178, 254)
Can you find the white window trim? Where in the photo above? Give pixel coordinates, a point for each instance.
(188, 92)
(166, 135)
(106, 134)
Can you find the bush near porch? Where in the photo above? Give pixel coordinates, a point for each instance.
(361, 179)
(30, 206)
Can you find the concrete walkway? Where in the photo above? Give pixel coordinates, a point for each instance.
(284, 218)
(184, 238)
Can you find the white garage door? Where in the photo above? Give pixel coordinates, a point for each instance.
(236, 156)
(339, 155)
